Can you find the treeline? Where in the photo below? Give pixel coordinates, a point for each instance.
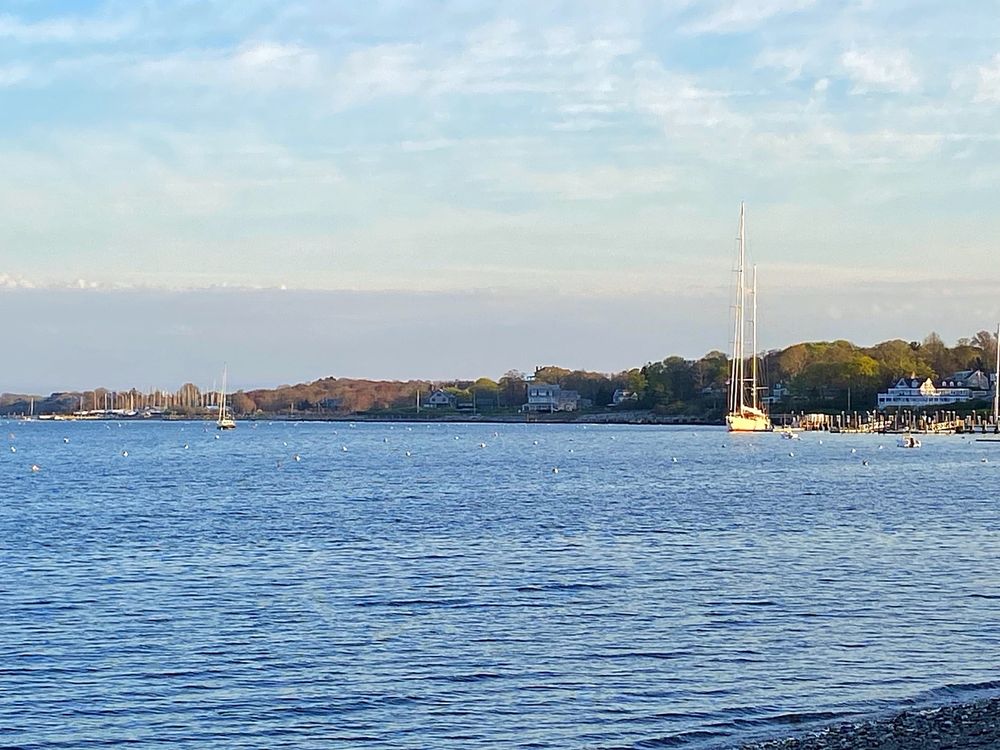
(813, 376)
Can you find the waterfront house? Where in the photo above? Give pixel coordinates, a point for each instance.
(974, 380)
(624, 397)
(440, 399)
(912, 393)
(544, 397)
(778, 392)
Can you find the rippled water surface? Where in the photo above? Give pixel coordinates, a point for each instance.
(442, 586)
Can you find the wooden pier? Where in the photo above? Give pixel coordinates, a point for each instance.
(940, 422)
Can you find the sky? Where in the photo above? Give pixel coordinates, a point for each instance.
(451, 188)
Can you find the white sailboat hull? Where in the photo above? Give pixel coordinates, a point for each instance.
(749, 420)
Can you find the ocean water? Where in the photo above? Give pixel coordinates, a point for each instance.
(443, 586)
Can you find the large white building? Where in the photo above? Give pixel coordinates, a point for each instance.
(912, 393)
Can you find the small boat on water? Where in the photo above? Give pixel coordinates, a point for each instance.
(909, 441)
(745, 413)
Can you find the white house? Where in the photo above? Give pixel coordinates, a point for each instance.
(441, 400)
(545, 397)
(911, 393)
(623, 396)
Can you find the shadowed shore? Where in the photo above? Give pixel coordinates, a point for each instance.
(966, 726)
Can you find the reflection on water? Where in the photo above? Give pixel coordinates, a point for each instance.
(418, 590)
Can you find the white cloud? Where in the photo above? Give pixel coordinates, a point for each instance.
(62, 30)
(790, 61)
(744, 15)
(251, 65)
(12, 75)
(880, 70)
(681, 104)
(9, 281)
(988, 85)
(383, 70)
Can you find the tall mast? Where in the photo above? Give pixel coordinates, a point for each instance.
(738, 384)
(753, 351)
(222, 397)
(996, 386)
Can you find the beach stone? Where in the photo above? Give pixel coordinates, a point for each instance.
(969, 726)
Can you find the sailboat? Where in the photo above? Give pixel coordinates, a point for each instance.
(745, 410)
(996, 387)
(225, 421)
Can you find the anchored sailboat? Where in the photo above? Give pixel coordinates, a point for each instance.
(745, 410)
(225, 421)
(996, 386)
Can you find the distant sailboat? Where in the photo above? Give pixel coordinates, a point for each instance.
(745, 410)
(225, 421)
(996, 386)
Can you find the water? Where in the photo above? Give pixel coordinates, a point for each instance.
(224, 594)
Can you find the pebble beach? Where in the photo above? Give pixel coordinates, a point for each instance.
(966, 726)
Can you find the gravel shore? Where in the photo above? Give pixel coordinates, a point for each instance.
(967, 726)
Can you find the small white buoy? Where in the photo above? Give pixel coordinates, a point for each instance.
(36, 467)
(65, 440)
(385, 440)
(535, 443)
(555, 469)
(571, 450)
(865, 462)
(985, 460)
(408, 454)
(125, 454)
(185, 446)
(853, 451)
(13, 449)
(482, 445)
(343, 448)
(673, 459)
(297, 457)
(284, 443)
(791, 454)
(880, 447)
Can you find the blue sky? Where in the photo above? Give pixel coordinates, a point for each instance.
(590, 152)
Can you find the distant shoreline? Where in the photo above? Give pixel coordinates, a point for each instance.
(557, 418)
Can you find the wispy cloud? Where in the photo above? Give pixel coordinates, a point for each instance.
(63, 30)
(12, 75)
(988, 84)
(252, 64)
(880, 70)
(791, 62)
(737, 16)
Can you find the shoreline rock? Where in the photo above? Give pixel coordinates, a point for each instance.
(960, 726)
